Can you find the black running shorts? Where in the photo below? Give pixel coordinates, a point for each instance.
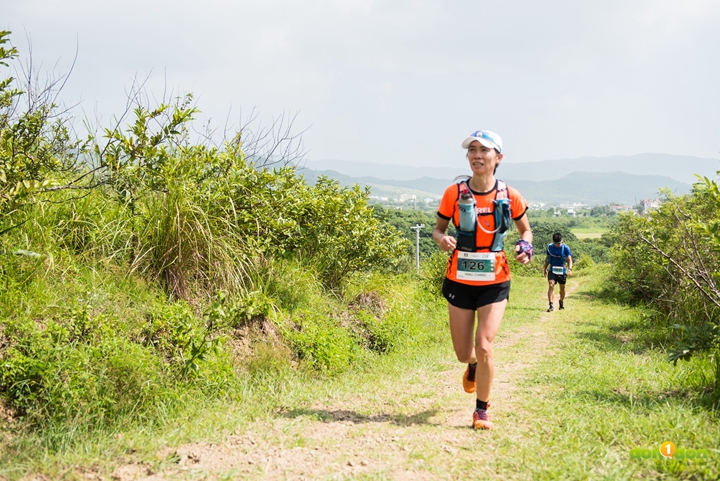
(560, 279)
(470, 297)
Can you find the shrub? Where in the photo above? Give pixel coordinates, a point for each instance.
(86, 364)
(320, 342)
(669, 260)
(216, 245)
(37, 151)
(343, 235)
(78, 368)
(433, 271)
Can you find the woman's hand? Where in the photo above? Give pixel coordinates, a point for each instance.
(447, 243)
(523, 248)
(523, 251)
(521, 257)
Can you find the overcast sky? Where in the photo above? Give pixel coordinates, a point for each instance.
(404, 82)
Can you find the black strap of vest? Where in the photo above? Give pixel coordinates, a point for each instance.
(562, 252)
(500, 186)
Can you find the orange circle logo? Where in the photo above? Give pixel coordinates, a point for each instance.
(667, 449)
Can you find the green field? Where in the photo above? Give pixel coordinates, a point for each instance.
(589, 232)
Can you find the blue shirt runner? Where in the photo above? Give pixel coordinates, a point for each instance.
(556, 257)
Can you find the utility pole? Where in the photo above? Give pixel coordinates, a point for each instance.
(417, 228)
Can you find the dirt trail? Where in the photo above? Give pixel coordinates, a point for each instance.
(417, 430)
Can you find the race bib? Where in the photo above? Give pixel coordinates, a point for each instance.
(558, 270)
(476, 266)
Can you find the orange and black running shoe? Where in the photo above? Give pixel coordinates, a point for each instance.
(481, 420)
(469, 379)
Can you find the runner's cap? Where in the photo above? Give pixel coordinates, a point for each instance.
(491, 140)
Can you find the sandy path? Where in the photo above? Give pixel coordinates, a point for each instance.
(418, 430)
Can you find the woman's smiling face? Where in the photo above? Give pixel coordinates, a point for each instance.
(483, 160)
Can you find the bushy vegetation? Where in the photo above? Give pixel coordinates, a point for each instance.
(669, 261)
(141, 270)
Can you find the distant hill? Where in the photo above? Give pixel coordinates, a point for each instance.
(678, 167)
(584, 187)
(380, 187)
(598, 188)
(386, 171)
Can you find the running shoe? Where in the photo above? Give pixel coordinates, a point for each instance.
(550, 309)
(481, 420)
(469, 380)
(562, 306)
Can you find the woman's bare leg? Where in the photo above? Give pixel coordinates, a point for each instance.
(462, 331)
(489, 319)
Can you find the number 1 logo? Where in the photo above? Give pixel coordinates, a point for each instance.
(667, 449)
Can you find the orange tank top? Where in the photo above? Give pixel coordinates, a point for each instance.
(482, 267)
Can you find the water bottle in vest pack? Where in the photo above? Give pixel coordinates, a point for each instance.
(468, 219)
(503, 217)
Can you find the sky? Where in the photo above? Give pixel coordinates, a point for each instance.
(401, 82)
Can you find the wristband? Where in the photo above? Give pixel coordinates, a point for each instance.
(525, 248)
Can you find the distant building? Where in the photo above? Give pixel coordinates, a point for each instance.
(571, 212)
(620, 208)
(648, 204)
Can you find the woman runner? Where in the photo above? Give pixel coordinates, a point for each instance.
(477, 279)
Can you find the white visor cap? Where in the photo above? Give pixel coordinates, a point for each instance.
(489, 139)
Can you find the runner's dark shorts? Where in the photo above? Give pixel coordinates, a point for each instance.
(470, 297)
(560, 279)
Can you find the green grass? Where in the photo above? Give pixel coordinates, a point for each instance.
(595, 385)
(268, 377)
(588, 235)
(605, 388)
(589, 232)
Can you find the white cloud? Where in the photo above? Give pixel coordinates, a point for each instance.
(382, 91)
(272, 39)
(366, 73)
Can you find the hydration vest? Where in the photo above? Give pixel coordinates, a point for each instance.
(562, 252)
(502, 216)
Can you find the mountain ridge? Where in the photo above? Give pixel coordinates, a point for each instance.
(591, 188)
(678, 167)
